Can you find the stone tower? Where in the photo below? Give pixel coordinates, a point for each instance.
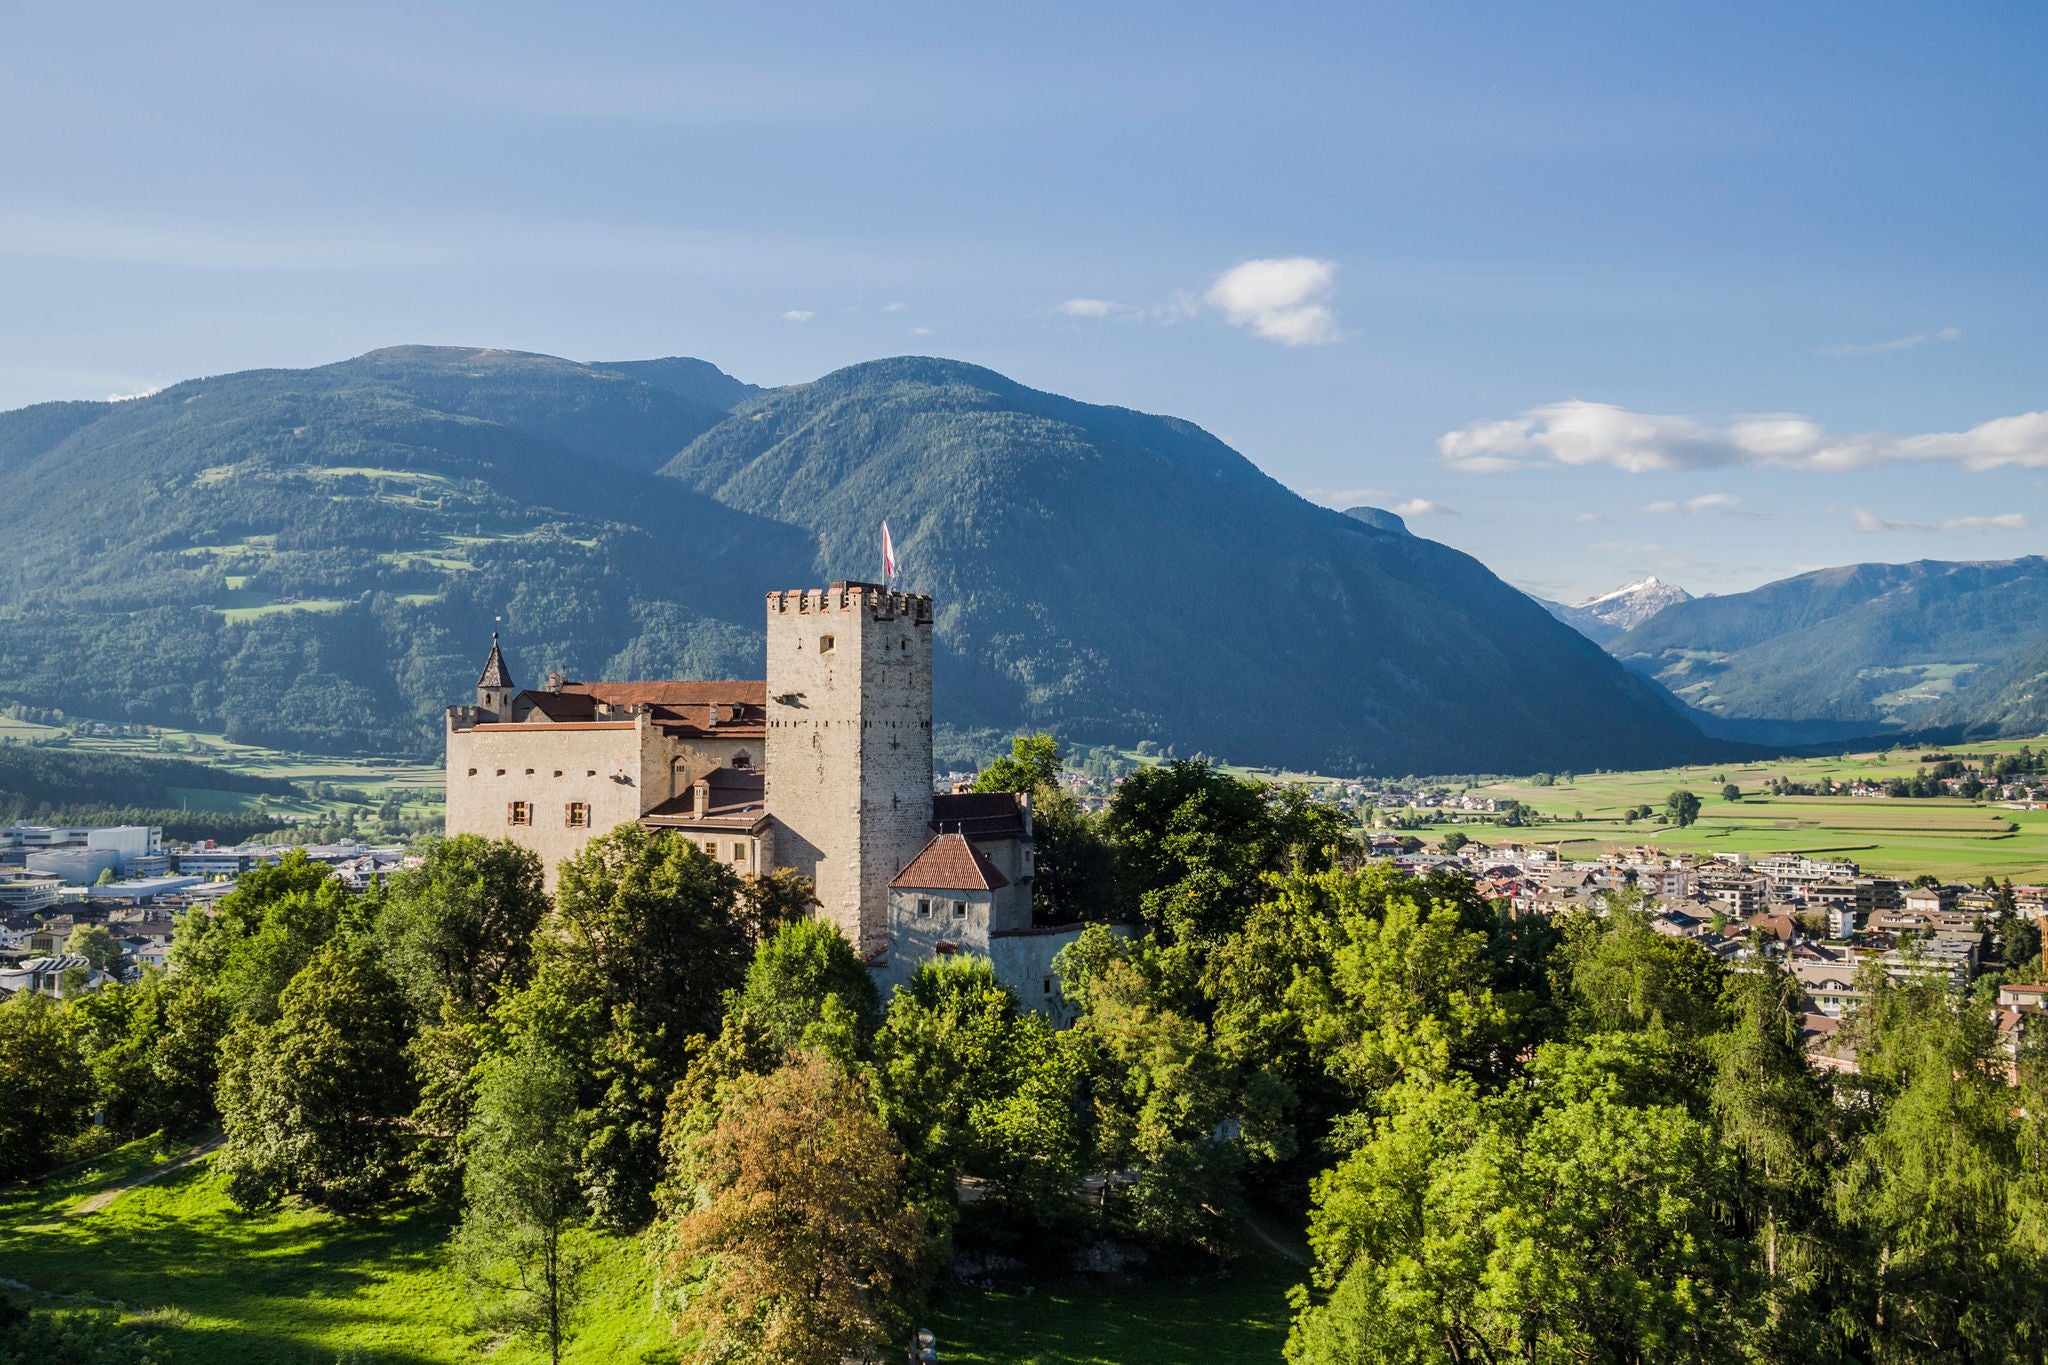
(849, 745)
(494, 689)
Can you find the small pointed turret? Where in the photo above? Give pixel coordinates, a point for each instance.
(494, 689)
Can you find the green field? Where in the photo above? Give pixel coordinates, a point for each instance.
(376, 780)
(300, 1288)
(1947, 837)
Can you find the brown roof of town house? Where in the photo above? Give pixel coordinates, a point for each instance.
(979, 815)
(950, 863)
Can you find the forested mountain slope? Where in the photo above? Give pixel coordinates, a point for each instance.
(313, 558)
(1866, 644)
(1117, 575)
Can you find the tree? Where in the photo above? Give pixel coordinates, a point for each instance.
(796, 972)
(1033, 762)
(654, 925)
(1731, 792)
(1551, 1223)
(972, 1085)
(1454, 841)
(522, 1202)
(96, 945)
(106, 877)
(1682, 808)
(460, 925)
(647, 938)
(1074, 866)
(772, 899)
(312, 1101)
(800, 1244)
(47, 1083)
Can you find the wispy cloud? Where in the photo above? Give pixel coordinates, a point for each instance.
(894, 307)
(2001, 521)
(799, 315)
(1847, 348)
(1705, 502)
(1089, 308)
(920, 331)
(1281, 299)
(1576, 432)
(1422, 507)
(139, 393)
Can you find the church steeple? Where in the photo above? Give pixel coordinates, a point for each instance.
(494, 689)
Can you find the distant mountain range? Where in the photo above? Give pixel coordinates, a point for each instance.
(1859, 650)
(314, 558)
(1603, 618)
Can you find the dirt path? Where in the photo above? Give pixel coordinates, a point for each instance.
(184, 1158)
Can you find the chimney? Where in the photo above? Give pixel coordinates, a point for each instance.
(555, 681)
(700, 797)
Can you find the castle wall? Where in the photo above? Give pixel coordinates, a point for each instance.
(604, 765)
(849, 751)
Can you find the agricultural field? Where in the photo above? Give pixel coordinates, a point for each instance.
(293, 1287)
(330, 787)
(1950, 838)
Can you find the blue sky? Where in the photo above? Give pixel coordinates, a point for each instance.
(1719, 293)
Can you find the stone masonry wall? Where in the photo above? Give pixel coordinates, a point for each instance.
(849, 753)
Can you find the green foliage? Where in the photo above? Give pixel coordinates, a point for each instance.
(973, 1086)
(1682, 808)
(1033, 762)
(95, 943)
(647, 938)
(460, 925)
(1192, 844)
(312, 1100)
(34, 1335)
(793, 977)
(1547, 1224)
(521, 1198)
(46, 1080)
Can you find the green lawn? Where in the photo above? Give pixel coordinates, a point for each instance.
(1240, 1315)
(1949, 838)
(294, 1287)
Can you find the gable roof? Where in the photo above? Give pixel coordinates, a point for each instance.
(950, 863)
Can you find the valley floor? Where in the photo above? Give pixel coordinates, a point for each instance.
(298, 1288)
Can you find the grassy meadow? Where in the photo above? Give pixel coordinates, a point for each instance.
(1950, 838)
(359, 782)
(294, 1287)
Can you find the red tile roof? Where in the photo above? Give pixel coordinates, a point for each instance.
(950, 863)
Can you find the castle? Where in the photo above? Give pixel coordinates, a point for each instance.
(824, 767)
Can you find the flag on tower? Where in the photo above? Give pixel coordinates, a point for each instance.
(888, 553)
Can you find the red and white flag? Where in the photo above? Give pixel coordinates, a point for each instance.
(888, 553)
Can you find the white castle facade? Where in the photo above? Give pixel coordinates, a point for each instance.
(824, 767)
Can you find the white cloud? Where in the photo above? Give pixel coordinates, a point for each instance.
(2002, 521)
(894, 307)
(1283, 300)
(920, 331)
(1088, 308)
(1422, 507)
(1576, 432)
(798, 315)
(1705, 502)
(1895, 344)
(139, 393)
(1584, 517)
